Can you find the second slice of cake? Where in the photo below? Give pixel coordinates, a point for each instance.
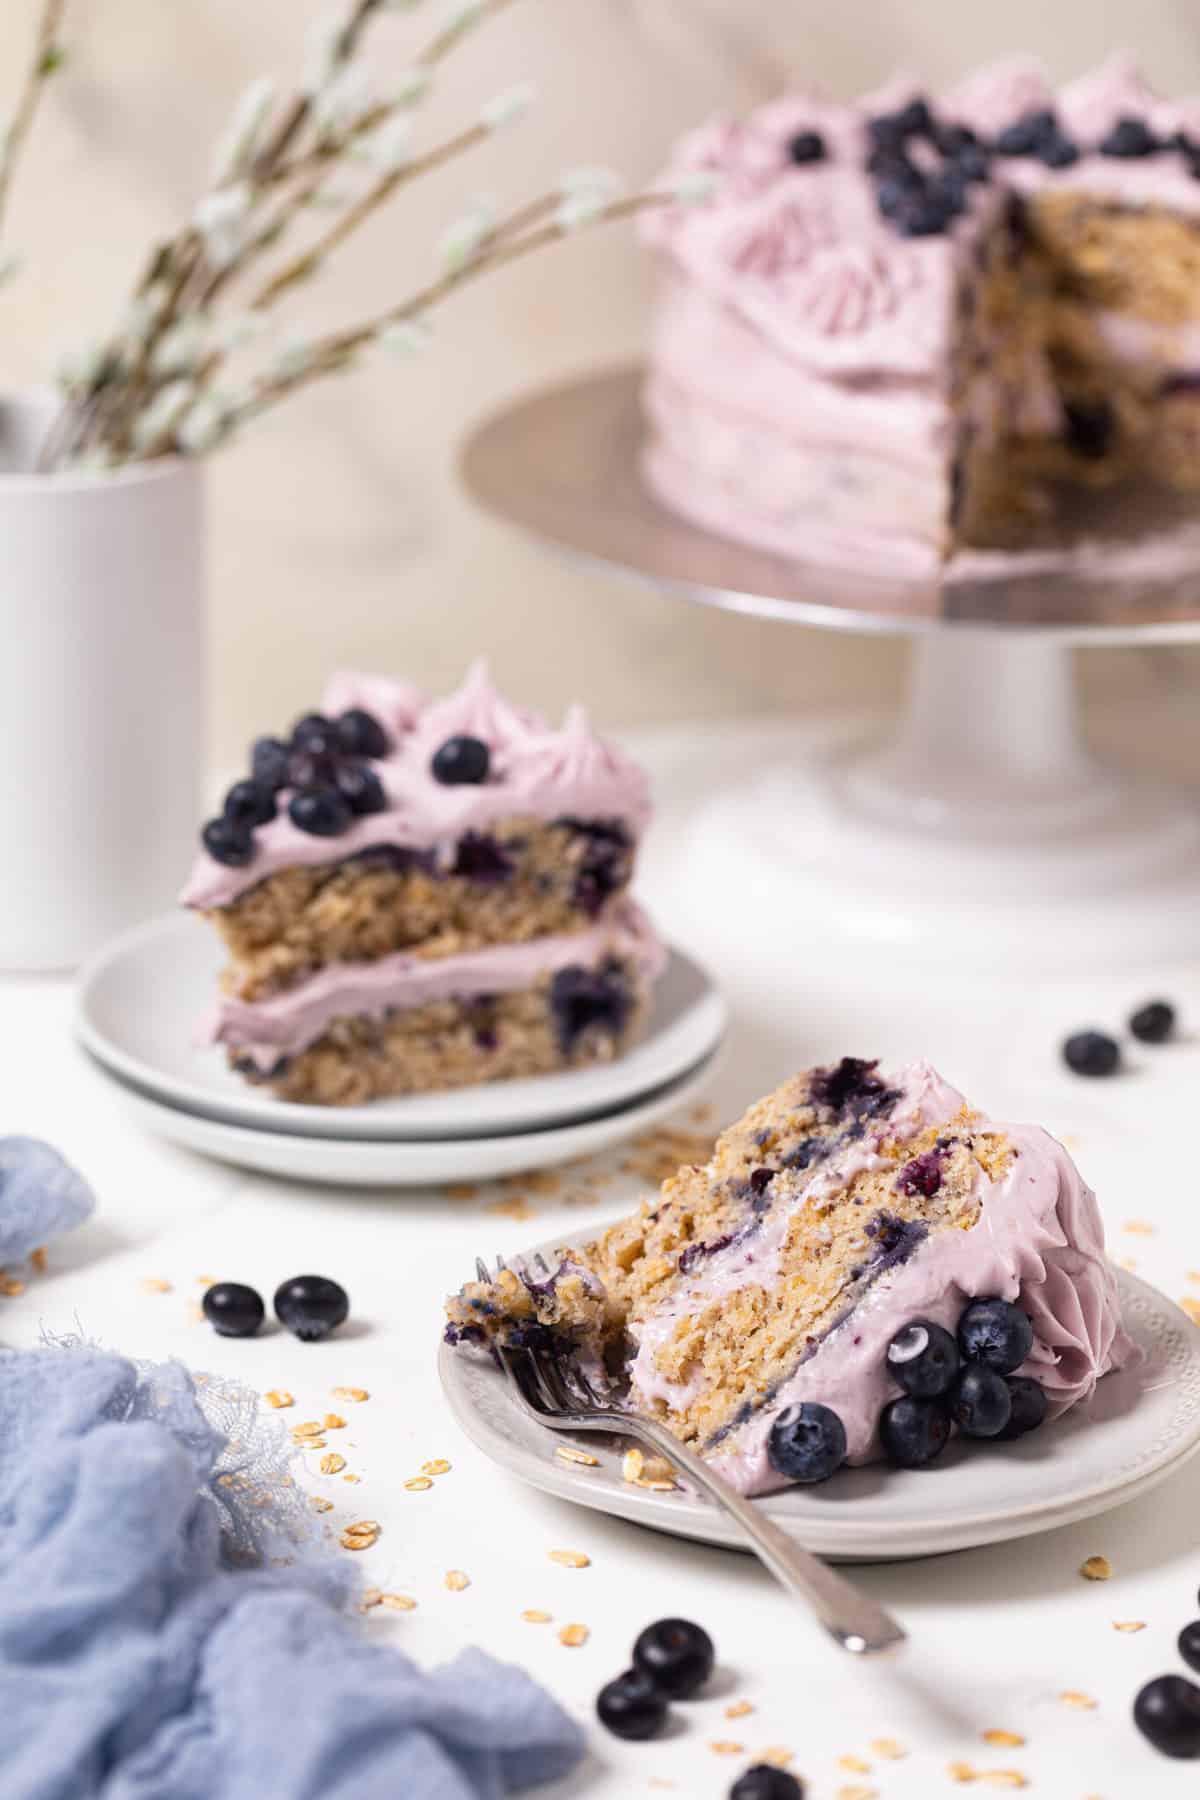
(419, 895)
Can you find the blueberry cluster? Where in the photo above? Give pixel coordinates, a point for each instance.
(1096, 1053)
(923, 194)
(309, 1306)
(1167, 1710)
(968, 1380)
(672, 1660)
(325, 764)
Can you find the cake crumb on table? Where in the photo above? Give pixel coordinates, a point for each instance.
(1096, 1568)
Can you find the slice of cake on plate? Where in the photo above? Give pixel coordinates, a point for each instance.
(419, 895)
(865, 1264)
(901, 319)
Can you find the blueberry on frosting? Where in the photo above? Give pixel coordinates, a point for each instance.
(250, 803)
(1130, 137)
(461, 762)
(359, 733)
(1026, 135)
(807, 147)
(360, 788)
(913, 1432)
(1029, 1405)
(269, 762)
(228, 842)
(807, 1442)
(995, 1333)
(981, 1405)
(923, 1359)
(321, 811)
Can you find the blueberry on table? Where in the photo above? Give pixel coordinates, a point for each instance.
(981, 1405)
(228, 842)
(321, 811)
(1091, 1053)
(359, 733)
(1167, 1712)
(1028, 1407)
(914, 1432)
(996, 1333)
(923, 1359)
(807, 1442)
(250, 803)
(631, 1706)
(360, 788)
(269, 762)
(1154, 1022)
(311, 1306)
(461, 762)
(1189, 1644)
(676, 1656)
(232, 1309)
(763, 1781)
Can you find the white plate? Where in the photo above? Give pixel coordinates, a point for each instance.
(1141, 1426)
(419, 1162)
(142, 998)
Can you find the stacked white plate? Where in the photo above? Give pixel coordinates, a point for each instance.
(143, 999)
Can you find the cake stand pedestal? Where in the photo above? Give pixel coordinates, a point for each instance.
(981, 827)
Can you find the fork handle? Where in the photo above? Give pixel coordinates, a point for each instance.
(850, 1617)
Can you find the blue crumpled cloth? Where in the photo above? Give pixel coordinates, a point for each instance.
(169, 1615)
(40, 1196)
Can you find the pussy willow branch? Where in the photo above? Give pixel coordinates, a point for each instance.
(42, 66)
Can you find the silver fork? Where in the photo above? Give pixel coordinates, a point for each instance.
(852, 1619)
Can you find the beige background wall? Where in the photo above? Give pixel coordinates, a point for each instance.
(339, 535)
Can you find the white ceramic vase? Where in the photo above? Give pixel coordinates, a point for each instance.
(102, 687)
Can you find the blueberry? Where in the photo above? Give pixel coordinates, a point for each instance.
(676, 1656)
(307, 770)
(1091, 1053)
(981, 1405)
(1189, 1644)
(952, 139)
(250, 803)
(913, 1432)
(311, 1306)
(807, 147)
(1167, 1711)
(760, 1180)
(886, 131)
(360, 788)
(314, 733)
(583, 1000)
(1028, 1406)
(923, 1360)
(631, 1706)
(892, 162)
(1130, 137)
(359, 733)
(972, 162)
(995, 1333)
(482, 858)
(763, 1781)
(915, 119)
(1154, 1022)
(1024, 136)
(1058, 152)
(269, 762)
(807, 1442)
(228, 843)
(1091, 427)
(232, 1309)
(926, 216)
(949, 191)
(462, 761)
(321, 811)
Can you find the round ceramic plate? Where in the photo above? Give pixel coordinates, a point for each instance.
(396, 1162)
(1140, 1427)
(143, 997)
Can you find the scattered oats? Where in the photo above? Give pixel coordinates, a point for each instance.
(354, 1478)
(570, 1559)
(1138, 1228)
(888, 1749)
(1096, 1568)
(533, 1615)
(311, 1428)
(777, 1755)
(333, 1422)
(151, 1284)
(207, 1281)
(854, 1765)
(739, 1709)
(632, 1464)
(364, 1528)
(568, 1453)
(1003, 1740)
(349, 1393)
(516, 1208)
(38, 1259)
(1004, 1778)
(319, 1503)
(308, 1443)
(461, 1190)
(573, 1636)
(15, 1288)
(961, 1771)
(351, 1540)
(1079, 1702)
(856, 1790)
(727, 1747)
(439, 1466)
(333, 1464)
(1129, 1624)
(278, 1397)
(371, 1597)
(398, 1602)
(457, 1580)
(418, 1484)
(1191, 1308)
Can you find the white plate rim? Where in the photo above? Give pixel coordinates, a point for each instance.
(655, 1059)
(911, 1535)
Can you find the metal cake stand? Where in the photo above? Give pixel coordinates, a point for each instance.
(982, 825)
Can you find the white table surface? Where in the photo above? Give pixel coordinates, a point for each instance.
(997, 1635)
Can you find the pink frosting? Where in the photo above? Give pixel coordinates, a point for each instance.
(536, 772)
(1038, 1241)
(286, 1023)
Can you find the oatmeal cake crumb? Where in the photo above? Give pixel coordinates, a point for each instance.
(1096, 1568)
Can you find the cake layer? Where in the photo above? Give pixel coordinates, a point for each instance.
(286, 1023)
(838, 1210)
